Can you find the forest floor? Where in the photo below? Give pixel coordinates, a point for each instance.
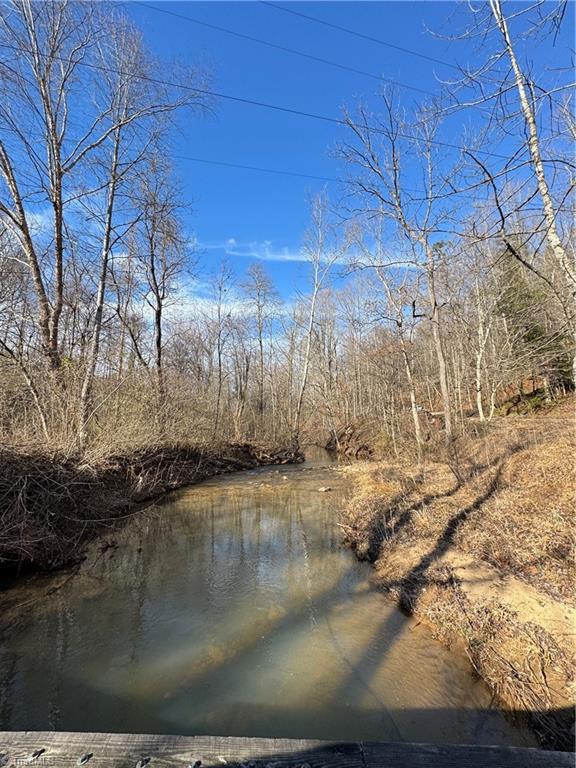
(52, 506)
(485, 556)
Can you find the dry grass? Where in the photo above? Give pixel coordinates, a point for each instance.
(505, 498)
(527, 528)
(518, 485)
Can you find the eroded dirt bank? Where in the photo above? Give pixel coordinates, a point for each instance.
(51, 506)
(486, 560)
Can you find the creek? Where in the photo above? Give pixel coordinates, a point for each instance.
(231, 608)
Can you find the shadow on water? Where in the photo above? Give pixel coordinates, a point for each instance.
(108, 713)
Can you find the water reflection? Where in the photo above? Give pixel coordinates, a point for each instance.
(232, 609)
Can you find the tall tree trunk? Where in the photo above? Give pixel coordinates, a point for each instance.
(18, 223)
(58, 266)
(479, 405)
(536, 156)
(410, 378)
(439, 348)
(306, 368)
(160, 380)
(261, 374)
(86, 393)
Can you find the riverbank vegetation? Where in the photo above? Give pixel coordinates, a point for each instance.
(53, 505)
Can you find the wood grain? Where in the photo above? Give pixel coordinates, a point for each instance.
(113, 750)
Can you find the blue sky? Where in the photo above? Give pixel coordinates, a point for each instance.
(256, 215)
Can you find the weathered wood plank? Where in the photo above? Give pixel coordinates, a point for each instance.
(124, 750)
(379, 755)
(110, 750)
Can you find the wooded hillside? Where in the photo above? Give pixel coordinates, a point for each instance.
(423, 310)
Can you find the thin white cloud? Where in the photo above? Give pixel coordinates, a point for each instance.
(265, 252)
(195, 297)
(254, 249)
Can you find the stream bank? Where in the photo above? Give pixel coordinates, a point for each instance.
(53, 505)
(485, 560)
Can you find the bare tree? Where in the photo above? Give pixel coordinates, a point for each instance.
(220, 319)
(78, 110)
(544, 158)
(322, 255)
(380, 183)
(162, 253)
(263, 301)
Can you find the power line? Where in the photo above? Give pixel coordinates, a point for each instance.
(254, 102)
(461, 193)
(284, 49)
(386, 44)
(275, 171)
(361, 35)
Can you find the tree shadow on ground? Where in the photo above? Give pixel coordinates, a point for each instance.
(410, 587)
(391, 520)
(396, 515)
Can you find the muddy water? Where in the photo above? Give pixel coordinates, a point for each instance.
(231, 609)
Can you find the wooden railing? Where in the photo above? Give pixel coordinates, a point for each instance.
(112, 750)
